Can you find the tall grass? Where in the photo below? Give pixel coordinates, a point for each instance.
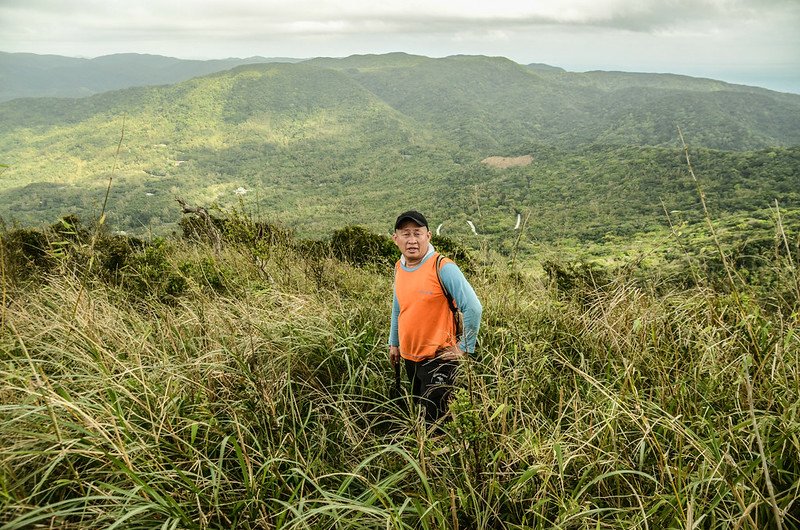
(258, 398)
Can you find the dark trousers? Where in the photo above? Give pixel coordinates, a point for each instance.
(431, 385)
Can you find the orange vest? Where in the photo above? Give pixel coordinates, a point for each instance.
(425, 323)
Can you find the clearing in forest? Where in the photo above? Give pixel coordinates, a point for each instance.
(503, 162)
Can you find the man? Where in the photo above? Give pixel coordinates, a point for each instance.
(423, 331)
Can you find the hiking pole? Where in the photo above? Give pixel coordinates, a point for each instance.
(397, 378)
(399, 397)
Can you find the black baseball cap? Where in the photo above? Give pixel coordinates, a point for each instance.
(411, 215)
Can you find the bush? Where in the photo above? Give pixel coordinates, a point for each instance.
(25, 252)
(575, 278)
(360, 247)
(150, 273)
(456, 252)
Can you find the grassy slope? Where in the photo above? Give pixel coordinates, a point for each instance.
(257, 397)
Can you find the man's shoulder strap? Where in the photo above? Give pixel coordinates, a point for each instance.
(458, 317)
(441, 261)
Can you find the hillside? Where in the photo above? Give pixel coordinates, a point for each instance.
(176, 385)
(32, 75)
(290, 133)
(330, 142)
(492, 102)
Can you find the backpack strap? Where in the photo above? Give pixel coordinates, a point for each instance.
(450, 302)
(458, 317)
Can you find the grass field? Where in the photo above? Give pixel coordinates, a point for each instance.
(235, 389)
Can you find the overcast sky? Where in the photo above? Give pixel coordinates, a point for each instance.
(754, 42)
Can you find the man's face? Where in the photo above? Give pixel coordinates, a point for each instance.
(412, 240)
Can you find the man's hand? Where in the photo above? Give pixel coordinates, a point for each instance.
(451, 353)
(394, 355)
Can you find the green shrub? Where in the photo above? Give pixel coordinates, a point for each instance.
(115, 252)
(151, 273)
(208, 273)
(26, 252)
(360, 247)
(456, 252)
(571, 278)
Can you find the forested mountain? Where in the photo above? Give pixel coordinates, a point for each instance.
(482, 102)
(329, 142)
(32, 75)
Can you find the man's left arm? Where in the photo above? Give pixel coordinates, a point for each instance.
(467, 301)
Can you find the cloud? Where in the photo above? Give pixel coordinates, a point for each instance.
(314, 17)
(644, 35)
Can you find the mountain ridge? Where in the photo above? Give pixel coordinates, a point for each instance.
(33, 75)
(48, 75)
